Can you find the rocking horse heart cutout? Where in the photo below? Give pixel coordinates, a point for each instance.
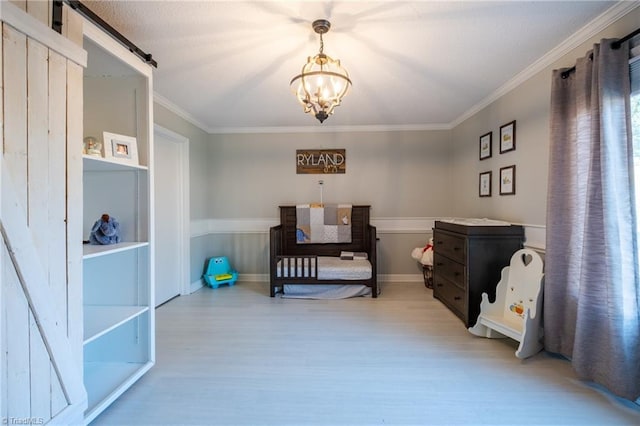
(526, 259)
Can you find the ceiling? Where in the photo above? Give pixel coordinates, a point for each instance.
(226, 66)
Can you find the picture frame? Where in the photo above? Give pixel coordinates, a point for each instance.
(120, 148)
(508, 137)
(508, 180)
(484, 189)
(485, 146)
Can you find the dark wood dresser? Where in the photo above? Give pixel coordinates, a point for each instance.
(468, 261)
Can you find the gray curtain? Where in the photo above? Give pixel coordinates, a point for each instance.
(591, 293)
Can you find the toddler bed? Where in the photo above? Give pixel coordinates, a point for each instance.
(302, 260)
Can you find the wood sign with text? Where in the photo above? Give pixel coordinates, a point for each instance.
(321, 161)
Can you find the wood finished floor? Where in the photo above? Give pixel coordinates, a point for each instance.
(234, 356)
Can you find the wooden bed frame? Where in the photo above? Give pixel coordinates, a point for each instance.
(283, 247)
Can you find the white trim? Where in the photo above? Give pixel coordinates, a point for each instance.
(161, 100)
(403, 225)
(589, 30)
(333, 129)
(384, 225)
(534, 234)
(231, 226)
(195, 286)
(33, 28)
(183, 201)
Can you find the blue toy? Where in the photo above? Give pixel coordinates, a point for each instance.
(105, 231)
(219, 271)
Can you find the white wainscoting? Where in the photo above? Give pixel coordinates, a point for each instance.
(534, 237)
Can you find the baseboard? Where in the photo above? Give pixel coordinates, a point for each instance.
(195, 286)
(400, 278)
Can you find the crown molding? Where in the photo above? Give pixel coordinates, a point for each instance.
(161, 100)
(334, 129)
(594, 27)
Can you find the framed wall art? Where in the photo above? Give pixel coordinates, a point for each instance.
(508, 180)
(120, 148)
(508, 137)
(485, 184)
(485, 145)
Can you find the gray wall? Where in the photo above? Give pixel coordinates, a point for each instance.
(199, 154)
(400, 174)
(528, 104)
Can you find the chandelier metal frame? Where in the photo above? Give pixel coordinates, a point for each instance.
(323, 81)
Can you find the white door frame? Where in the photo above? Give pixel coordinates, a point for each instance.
(184, 245)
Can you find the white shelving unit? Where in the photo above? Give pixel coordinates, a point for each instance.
(118, 290)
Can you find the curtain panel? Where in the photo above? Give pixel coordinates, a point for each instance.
(592, 300)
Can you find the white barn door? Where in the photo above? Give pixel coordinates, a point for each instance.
(40, 216)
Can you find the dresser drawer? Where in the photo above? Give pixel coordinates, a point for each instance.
(452, 246)
(449, 269)
(451, 295)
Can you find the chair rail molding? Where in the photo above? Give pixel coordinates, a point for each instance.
(534, 234)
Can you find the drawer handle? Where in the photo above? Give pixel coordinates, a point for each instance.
(456, 249)
(439, 242)
(457, 274)
(439, 263)
(438, 285)
(457, 298)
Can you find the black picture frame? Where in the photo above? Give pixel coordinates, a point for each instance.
(484, 184)
(485, 146)
(508, 137)
(508, 180)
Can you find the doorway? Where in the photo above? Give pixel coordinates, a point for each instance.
(171, 207)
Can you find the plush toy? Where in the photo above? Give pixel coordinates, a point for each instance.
(105, 231)
(424, 255)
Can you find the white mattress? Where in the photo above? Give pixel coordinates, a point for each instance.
(331, 268)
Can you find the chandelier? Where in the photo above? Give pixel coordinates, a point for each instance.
(323, 82)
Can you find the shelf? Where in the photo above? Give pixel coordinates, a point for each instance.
(100, 164)
(106, 381)
(118, 297)
(99, 320)
(93, 250)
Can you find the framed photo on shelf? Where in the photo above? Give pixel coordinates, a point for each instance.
(508, 137)
(120, 148)
(508, 180)
(485, 184)
(485, 145)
